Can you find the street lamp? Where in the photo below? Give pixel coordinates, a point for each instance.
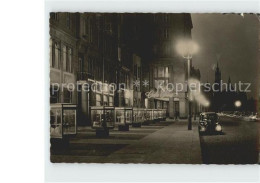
(186, 48)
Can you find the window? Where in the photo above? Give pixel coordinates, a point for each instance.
(54, 94)
(165, 33)
(135, 71)
(160, 72)
(89, 68)
(90, 33)
(155, 72)
(111, 89)
(177, 106)
(54, 16)
(166, 72)
(165, 105)
(67, 96)
(99, 87)
(80, 64)
(159, 106)
(98, 100)
(109, 27)
(125, 80)
(68, 63)
(161, 76)
(86, 27)
(56, 61)
(105, 100)
(139, 72)
(66, 59)
(64, 56)
(68, 20)
(166, 18)
(126, 101)
(111, 101)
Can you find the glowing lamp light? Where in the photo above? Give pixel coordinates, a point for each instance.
(196, 94)
(238, 103)
(187, 47)
(207, 104)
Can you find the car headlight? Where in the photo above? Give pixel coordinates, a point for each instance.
(218, 128)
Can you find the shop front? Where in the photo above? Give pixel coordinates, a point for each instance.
(63, 122)
(124, 117)
(102, 119)
(138, 117)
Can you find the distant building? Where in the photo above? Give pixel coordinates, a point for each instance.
(225, 95)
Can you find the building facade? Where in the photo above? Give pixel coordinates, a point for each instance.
(63, 57)
(165, 65)
(94, 50)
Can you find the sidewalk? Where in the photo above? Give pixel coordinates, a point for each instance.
(171, 144)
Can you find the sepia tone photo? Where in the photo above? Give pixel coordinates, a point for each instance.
(172, 88)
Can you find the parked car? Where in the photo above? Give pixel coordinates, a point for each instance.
(209, 122)
(253, 117)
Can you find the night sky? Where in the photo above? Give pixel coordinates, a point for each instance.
(232, 40)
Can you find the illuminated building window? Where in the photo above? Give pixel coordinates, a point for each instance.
(161, 76)
(98, 100)
(126, 101)
(160, 72)
(105, 100)
(111, 101)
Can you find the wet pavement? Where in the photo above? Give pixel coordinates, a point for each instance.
(160, 142)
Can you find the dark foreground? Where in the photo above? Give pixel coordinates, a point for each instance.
(161, 142)
(165, 142)
(238, 144)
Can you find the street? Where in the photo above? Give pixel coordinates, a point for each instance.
(237, 145)
(166, 142)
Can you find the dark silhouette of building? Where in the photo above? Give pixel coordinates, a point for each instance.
(224, 95)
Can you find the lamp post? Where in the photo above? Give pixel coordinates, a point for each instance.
(186, 48)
